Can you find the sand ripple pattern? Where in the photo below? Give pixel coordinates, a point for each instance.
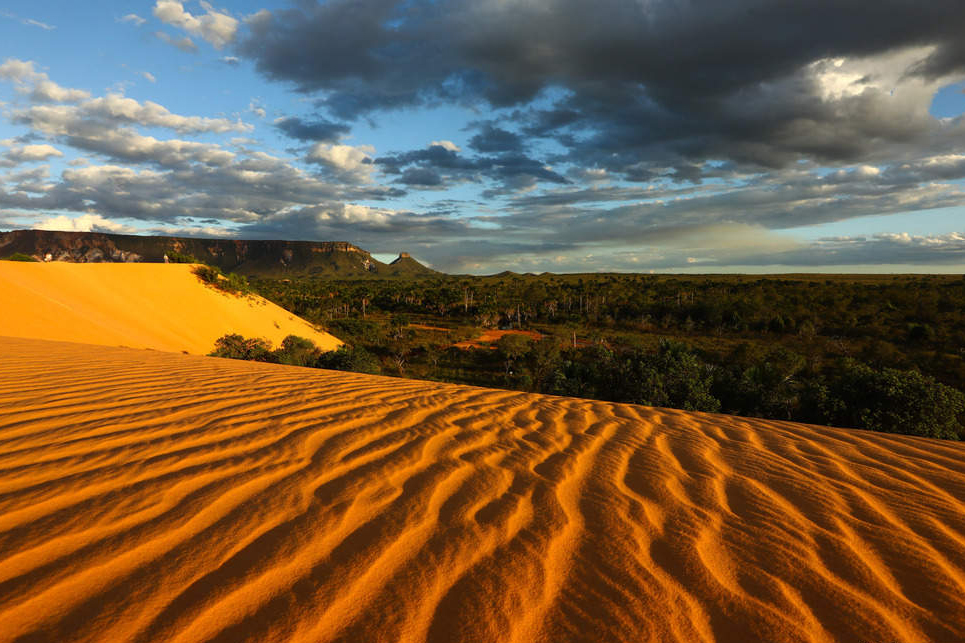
(150, 496)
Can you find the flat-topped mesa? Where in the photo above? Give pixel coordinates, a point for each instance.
(334, 246)
(252, 257)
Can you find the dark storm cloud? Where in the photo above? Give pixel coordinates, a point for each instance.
(440, 166)
(319, 130)
(420, 176)
(495, 139)
(636, 83)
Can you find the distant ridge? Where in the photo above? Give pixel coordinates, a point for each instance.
(329, 259)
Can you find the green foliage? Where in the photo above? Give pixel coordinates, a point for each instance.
(297, 351)
(358, 330)
(19, 256)
(893, 401)
(348, 358)
(757, 346)
(177, 257)
(512, 348)
(676, 377)
(232, 283)
(762, 385)
(398, 324)
(235, 346)
(208, 274)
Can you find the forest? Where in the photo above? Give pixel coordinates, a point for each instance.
(883, 352)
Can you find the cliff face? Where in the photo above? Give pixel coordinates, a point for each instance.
(335, 259)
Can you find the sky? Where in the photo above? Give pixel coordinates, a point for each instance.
(488, 135)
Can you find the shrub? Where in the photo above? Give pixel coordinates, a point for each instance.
(297, 351)
(234, 346)
(893, 401)
(177, 257)
(232, 283)
(348, 358)
(19, 256)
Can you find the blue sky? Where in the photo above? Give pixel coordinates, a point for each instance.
(490, 135)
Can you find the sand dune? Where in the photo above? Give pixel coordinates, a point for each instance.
(150, 496)
(158, 306)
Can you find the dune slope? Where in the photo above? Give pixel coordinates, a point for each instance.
(150, 496)
(158, 306)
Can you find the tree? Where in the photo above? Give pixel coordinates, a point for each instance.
(675, 377)
(511, 348)
(893, 401)
(297, 351)
(235, 346)
(349, 358)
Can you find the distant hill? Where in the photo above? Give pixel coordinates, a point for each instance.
(329, 259)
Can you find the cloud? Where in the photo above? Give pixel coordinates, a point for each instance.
(441, 165)
(148, 76)
(133, 18)
(216, 28)
(27, 21)
(495, 139)
(114, 109)
(36, 84)
(82, 223)
(184, 44)
(255, 108)
(29, 153)
(627, 85)
(875, 250)
(345, 161)
(37, 23)
(317, 130)
(448, 145)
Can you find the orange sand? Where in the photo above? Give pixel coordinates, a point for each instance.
(488, 338)
(150, 496)
(158, 306)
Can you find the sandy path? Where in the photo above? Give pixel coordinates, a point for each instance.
(158, 306)
(150, 496)
(488, 338)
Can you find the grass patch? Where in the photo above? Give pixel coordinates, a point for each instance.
(19, 256)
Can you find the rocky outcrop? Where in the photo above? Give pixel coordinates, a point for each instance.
(335, 259)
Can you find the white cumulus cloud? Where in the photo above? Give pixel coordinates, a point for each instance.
(37, 84)
(216, 28)
(82, 223)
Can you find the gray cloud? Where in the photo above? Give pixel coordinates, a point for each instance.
(495, 139)
(639, 83)
(318, 130)
(442, 166)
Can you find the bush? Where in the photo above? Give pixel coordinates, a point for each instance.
(19, 256)
(232, 283)
(297, 351)
(234, 346)
(675, 377)
(177, 257)
(348, 358)
(892, 401)
(208, 274)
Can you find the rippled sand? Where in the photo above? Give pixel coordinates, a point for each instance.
(150, 496)
(141, 305)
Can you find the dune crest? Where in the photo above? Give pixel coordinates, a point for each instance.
(140, 305)
(150, 496)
